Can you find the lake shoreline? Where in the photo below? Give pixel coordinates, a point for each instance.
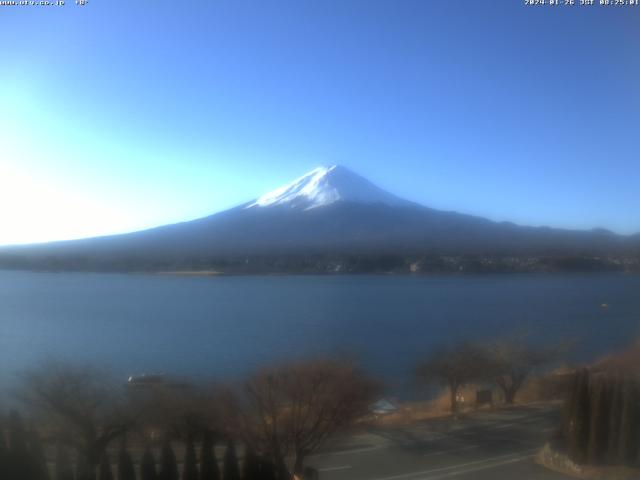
(265, 274)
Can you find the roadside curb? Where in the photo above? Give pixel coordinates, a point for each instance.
(561, 463)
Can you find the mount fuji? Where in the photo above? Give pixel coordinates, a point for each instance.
(326, 185)
(329, 211)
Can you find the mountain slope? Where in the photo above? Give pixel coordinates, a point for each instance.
(332, 210)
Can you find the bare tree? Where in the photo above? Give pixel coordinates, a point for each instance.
(513, 360)
(454, 367)
(181, 411)
(81, 407)
(289, 411)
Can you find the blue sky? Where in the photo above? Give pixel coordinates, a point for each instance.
(122, 115)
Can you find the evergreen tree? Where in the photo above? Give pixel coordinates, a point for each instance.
(579, 421)
(252, 466)
(310, 473)
(4, 471)
(569, 407)
(104, 470)
(19, 459)
(168, 463)
(148, 465)
(83, 469)
(190, 469)
(628, 442)
(614, 420)
(126, 470)
(267, 469)
(209, 469)
(39, 468)
(63, 469)
(599, 421)
(230, 465)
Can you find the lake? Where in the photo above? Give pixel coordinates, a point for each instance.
(223, 327)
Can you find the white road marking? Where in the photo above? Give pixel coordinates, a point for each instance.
(444, 452)
(501, 460)
(481, 467)
(519, 442)
(348, 452)
(333, 469)
(504, 425)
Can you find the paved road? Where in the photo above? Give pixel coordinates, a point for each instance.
(482, 446)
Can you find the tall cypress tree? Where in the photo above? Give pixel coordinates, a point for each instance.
(615, 417)
(567, 426)
(19, 459)
(209, 469)
(148, 465)
(579, 422)
(628, 442)
(190, 470)
(83, 469)
(39, 468)
(599, 421)
(168, 463)
(104, 470)
(230, 466)
(267, 469)
(4, 471)
(569, 407)
(251, 468)
(126, 470)
(63, 468)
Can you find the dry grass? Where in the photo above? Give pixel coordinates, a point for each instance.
(411, 412)
(547, 388)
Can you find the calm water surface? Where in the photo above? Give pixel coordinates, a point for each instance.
(225, 326)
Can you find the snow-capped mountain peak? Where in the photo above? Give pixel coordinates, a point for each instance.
(324, 186)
